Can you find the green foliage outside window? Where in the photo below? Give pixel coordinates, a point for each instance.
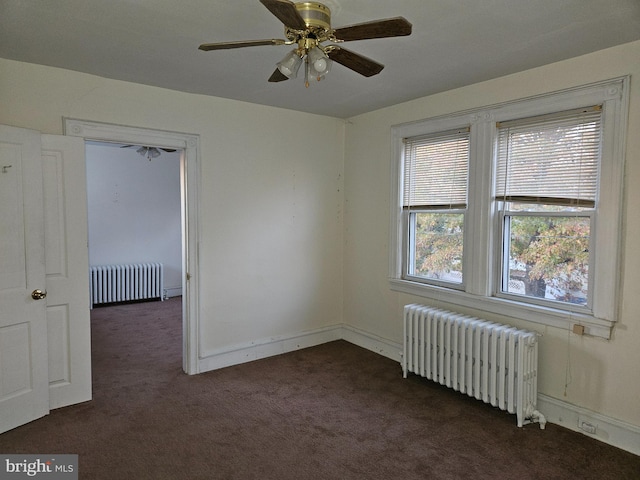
(548, 256)
(439, 246)
(552, 254)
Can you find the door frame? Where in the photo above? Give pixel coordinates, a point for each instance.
(190, 199)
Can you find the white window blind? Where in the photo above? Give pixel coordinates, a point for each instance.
(551, 159)
(436, 170)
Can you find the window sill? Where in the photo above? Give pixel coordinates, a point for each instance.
(593, 326)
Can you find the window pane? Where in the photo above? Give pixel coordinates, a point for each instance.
(437, 246)
(548, 257)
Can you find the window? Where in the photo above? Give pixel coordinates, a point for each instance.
(515, 209)
(546, 191)
(436, 171)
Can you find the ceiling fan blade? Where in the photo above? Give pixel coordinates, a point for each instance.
(390, 27)
(286, 12)
(278, 76)
(356, 62)
(248, 43)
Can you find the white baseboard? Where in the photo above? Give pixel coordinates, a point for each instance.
(606, 429)
(256, 350)
(372, 342)
(173, 291)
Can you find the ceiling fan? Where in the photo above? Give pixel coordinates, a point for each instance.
(149, 152)
(307, 25)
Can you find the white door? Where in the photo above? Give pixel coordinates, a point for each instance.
(24, 376)
(67, 270)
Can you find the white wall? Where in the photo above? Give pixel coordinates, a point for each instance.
(603, 375)
(134, 210)
(270, 246)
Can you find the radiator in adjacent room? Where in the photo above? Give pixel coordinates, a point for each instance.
(492, 362)
(121, 283)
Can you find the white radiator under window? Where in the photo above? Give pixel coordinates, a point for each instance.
(121, 283)
(492, 362)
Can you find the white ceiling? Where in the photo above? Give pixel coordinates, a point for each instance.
(454, 43)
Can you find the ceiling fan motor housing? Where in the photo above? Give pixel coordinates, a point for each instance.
(315, 15)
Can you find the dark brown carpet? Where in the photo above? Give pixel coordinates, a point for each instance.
(335, 411)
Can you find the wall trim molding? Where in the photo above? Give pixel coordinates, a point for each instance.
(173, 291)
(372, 342)
(607, 429)
(259, 349)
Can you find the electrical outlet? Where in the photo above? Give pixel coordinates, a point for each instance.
(587, 425)
(578, 329)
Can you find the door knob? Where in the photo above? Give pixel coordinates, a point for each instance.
(38, 294)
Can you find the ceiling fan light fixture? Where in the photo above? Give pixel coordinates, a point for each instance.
(149, 152)
(290, 64)
(319, 63)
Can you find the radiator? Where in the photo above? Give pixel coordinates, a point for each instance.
(495, 363)
(121, 283)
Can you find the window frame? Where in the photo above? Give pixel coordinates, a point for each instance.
(482, 236)
(453, 203)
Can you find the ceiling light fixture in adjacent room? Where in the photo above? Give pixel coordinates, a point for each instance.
(149, 152)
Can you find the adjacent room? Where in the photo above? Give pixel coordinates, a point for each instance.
(134, 211)
(476, 159)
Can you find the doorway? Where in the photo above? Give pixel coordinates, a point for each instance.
(135, 218)
(189, 195)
